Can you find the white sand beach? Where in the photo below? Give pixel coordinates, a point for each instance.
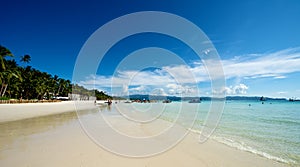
(13, 112)
(58, 140)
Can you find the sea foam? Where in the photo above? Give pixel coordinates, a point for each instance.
(244, 147)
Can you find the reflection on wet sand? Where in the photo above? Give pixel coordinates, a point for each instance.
(15, 130)
(19, 130)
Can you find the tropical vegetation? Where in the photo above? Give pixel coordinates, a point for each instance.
(26, 82)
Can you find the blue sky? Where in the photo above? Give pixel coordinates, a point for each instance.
(258, 42)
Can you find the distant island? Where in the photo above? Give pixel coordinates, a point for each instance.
(202, 98)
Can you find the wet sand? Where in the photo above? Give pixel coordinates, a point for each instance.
(59, 140)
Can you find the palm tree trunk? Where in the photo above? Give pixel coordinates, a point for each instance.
(2, 86)
(62, 91)
(4, 90)
(58, 90)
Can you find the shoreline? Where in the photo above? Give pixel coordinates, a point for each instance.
(210, 153)
(238, 146)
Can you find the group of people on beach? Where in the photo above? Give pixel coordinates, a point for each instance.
(109, 102)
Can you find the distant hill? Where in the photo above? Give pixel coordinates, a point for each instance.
(203, 98)
(152, 97)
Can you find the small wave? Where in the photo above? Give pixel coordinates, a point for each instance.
(244, 147)
(281, 121)
(194, 131)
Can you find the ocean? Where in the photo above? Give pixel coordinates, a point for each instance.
(270, 129)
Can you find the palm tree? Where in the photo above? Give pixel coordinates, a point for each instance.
(14, 87)
(8, 74)
(26, 74)
(4, 74)
(26, 59)
(66, 88)
(53, 83)
(27, 85)
(40, 84)
(3, 53)
(59, 85)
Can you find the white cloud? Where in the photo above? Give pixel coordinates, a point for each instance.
(181, 74)
(182, 79)
(239, 89)
(138, 90)
(282, 92)
(274, 65)
(158, 92)
(185, 90)
(280, 77)
(125, 89)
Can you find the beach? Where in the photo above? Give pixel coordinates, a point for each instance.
(14, 112)
(31, 138)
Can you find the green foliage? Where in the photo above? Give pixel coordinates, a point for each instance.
(4, 98)
(100, 95)
(28, 83)
(3, 53)
(26, 58)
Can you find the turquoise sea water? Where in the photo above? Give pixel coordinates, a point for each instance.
(271, 130)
